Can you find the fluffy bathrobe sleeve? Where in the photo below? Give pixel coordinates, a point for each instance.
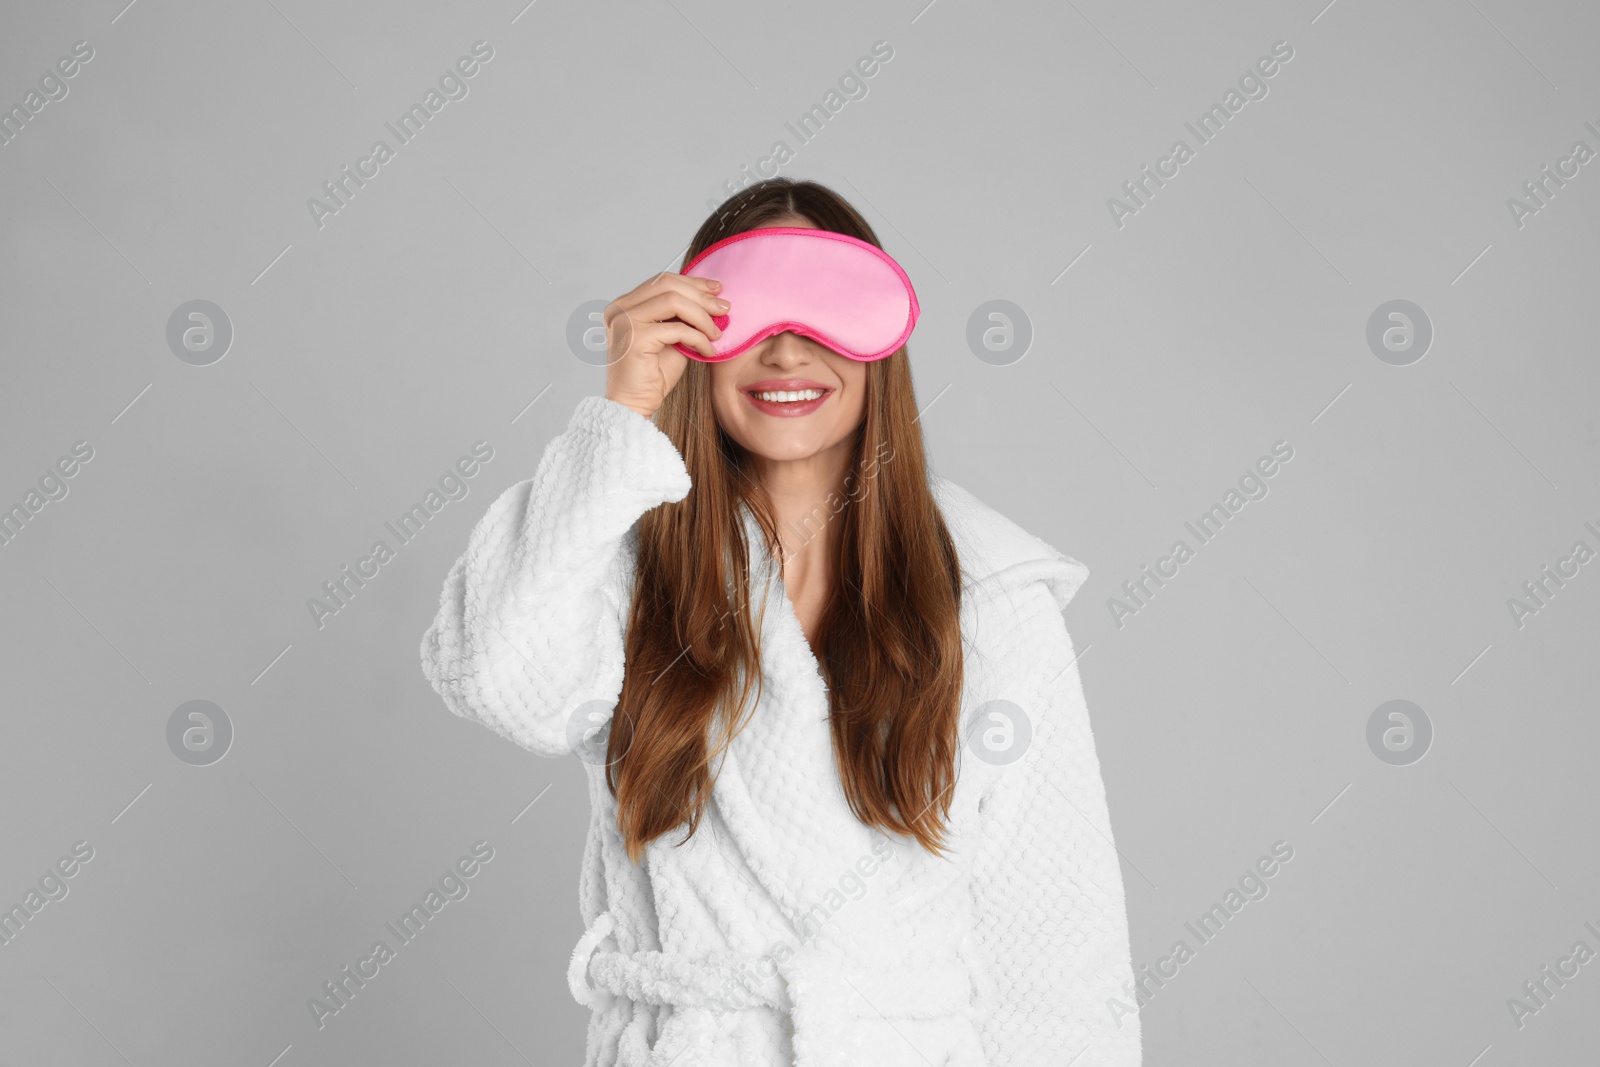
(531, 619)
(1052, 919)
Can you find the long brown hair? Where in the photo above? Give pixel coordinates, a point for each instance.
(891, 651)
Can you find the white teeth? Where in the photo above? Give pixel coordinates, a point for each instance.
(787, 396)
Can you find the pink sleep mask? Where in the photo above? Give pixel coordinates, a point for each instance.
(838, 291)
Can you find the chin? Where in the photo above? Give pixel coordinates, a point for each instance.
(787, 446)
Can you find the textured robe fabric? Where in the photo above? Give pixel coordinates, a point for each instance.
(784, 931)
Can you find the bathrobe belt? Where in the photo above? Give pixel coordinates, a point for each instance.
(821, 992)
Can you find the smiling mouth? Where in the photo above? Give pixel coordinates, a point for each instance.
(788, 396)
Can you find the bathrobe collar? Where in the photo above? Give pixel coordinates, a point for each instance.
(992, 549)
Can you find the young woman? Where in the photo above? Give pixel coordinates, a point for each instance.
(846, 806)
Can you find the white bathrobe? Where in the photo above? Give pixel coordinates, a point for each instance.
(784, 931)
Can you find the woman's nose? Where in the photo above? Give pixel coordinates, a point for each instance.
(789, 347)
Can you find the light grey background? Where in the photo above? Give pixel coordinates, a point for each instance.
(432, 312)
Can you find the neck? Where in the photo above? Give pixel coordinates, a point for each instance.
(806, 495)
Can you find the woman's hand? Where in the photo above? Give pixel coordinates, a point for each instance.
(641, 327)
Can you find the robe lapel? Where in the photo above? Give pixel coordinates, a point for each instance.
(778, 790)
